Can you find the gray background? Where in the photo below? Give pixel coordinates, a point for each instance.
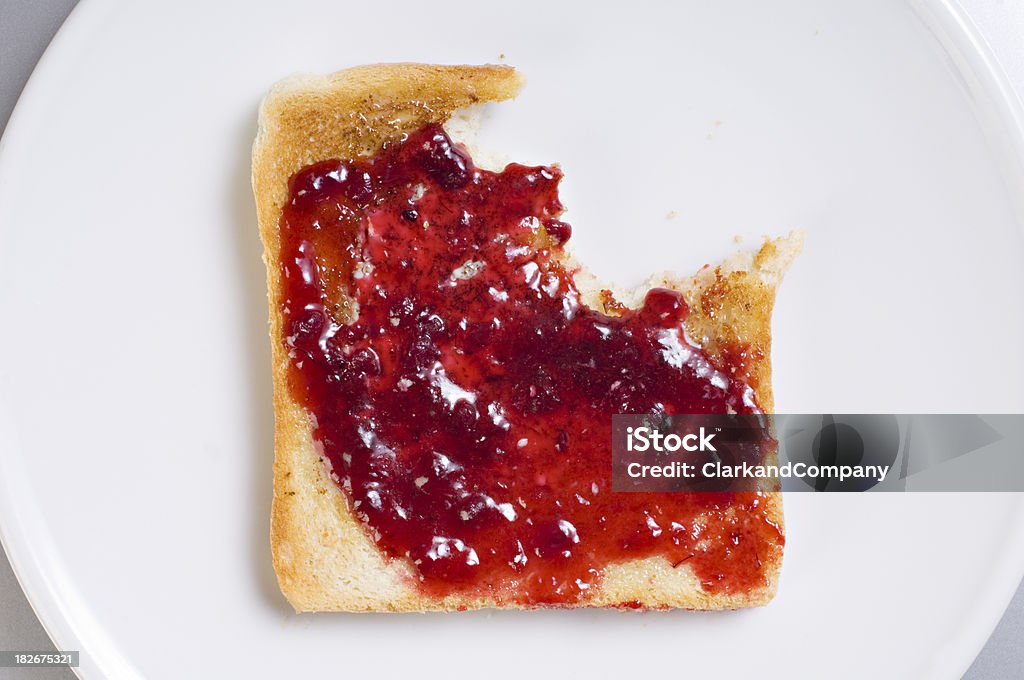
(26, 27)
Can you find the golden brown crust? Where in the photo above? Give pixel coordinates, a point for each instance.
(354, 112)
(324, 559)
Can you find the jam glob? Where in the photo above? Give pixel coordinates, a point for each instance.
(463, 394)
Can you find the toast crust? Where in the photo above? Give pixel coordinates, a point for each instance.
(323, 556)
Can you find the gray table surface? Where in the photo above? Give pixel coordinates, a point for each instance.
(26, 27)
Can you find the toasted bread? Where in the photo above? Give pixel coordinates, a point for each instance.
(324, 557)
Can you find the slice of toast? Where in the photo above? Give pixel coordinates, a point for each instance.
(324, 557)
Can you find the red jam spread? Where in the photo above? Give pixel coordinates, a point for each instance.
(463, 395)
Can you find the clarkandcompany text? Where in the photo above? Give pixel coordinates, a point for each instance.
(717, 469)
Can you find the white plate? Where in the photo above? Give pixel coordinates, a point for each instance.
(134, 390)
